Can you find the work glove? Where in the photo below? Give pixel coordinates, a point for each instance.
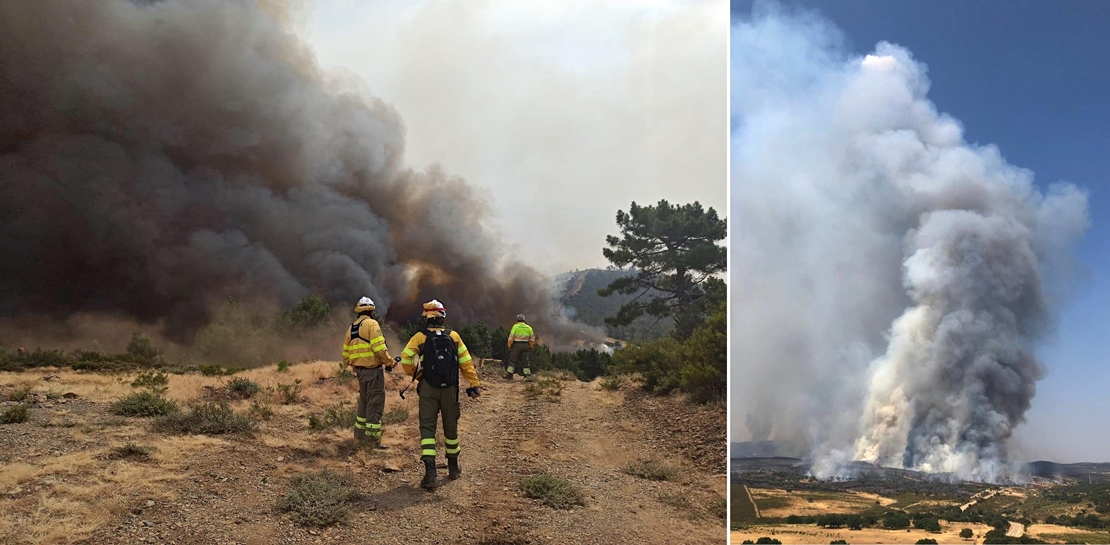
(473, 392)
(396, 360)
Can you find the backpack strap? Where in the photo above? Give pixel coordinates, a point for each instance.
(356, 328)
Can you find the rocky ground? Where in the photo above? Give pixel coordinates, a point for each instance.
(59, 482)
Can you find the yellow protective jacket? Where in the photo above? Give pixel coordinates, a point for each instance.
(416, 343)
(522, 332)
(367, 348)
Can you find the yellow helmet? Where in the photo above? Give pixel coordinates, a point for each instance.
(434, 309)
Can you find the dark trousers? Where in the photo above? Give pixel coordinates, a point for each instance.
(518, 358)
(436, 402)
(371, 401)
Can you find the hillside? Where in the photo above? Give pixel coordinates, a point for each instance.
(773, 495)
(578, 294)
(67, 474)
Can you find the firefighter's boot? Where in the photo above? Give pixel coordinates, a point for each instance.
(429, 481)
(453, 470)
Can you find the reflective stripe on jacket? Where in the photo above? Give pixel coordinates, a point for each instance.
(369, 350)
(522, 332)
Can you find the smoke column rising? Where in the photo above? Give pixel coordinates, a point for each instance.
(891, 280)
(159, 157)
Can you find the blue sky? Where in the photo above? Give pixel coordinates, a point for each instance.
(1031, 78)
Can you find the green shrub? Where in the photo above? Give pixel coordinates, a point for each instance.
(131, 451)
(16, 414)
(144, 403)
(205, 419)
(651, 470)
(966, 533)
(478, 339)
(243, 388)
(768, 541)
(611, 383)
(41, 358)
(218, 371)
(141, 350)
(155, 382)
(553, 491)
(319, 498)
(289, 394)
(20, 393)
(344, 372)
(926, 541)
(260, 411)
(308, 314)
(283, 366)
(697, 366)
(544, 385)
(396, 415)
(337, 416)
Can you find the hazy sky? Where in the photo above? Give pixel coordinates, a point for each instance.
(1030, 79)
(563, 111)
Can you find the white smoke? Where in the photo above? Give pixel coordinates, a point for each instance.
(890, 279)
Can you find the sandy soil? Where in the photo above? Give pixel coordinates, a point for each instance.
(57, 484)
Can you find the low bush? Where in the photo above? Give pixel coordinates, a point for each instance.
(205, 419)
(289, 394)
(130, 451)
(651, 470)
(243, 388)
(144, 404)
(16, 414)
(153, 381)
(396, 415)
(319, 498)
(553, 491)
(260, 411)
(339, 415)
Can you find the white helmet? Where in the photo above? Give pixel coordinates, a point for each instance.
(364, 305)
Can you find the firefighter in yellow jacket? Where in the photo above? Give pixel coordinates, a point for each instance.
(521, 341)
(442, 355)
(364, 350)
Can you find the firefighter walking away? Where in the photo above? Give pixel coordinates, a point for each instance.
(435, 356)
(364, 350)
(521, 341)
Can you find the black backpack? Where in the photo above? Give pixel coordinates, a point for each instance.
(440, 359)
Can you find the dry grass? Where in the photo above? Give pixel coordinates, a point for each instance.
(780, 503)
(651, 470)
(808, 533)
(68, 498)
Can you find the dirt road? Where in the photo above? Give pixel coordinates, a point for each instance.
(754, 505)
(60, 486)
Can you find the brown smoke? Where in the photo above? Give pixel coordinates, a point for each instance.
(159, 157)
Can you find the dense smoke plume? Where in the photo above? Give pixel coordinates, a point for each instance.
(159, 157)
(890, 280)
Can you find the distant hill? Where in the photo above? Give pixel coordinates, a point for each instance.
(578, 295)
(771, 456)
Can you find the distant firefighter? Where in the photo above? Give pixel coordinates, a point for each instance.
(521, 342)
